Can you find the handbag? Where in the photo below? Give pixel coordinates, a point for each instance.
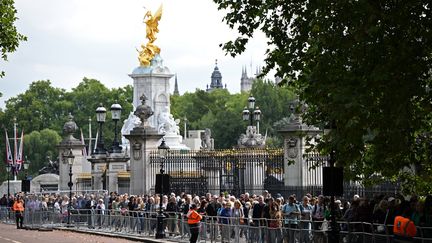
(381, 228)
(242, 221)
(324, 225)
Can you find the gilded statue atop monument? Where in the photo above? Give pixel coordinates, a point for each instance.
(150, 49)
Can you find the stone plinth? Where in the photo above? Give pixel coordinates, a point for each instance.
(14, 187)
(44, 182)
(98, 167)
(79, 166)
(142, 140)
(295, 134)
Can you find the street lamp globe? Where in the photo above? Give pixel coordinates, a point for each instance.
(251, 102)
(70, 157)
(100, 118)
(100, 114)
(116, 110)
(26, 165)
(163, 149)
(257, 114)
(246, 114)
(8, 168)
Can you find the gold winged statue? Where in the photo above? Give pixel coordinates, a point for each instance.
(150, 49)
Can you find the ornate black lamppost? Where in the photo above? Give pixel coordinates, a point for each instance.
(100, 117)
(25, 183)
(163, 152)
(116, 110)
(70, 159)
(251, 113)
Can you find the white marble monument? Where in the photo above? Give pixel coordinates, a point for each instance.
(153, 82)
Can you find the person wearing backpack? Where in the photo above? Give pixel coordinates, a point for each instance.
(404, 229)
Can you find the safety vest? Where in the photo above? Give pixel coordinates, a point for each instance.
(404, 227)
(18, 206)
(193, 217)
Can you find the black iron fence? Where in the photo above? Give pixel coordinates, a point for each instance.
(236, 171)
(218, 171)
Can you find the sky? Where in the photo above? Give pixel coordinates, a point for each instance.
(72, 39)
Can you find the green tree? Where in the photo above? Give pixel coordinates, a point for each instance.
(274, 103)
(41, 106)
(9, 36)
(39, 146)
(45, 107)
(91, 93)
(363, 66)
(222, 112)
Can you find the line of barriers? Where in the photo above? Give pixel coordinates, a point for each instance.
(213, 229)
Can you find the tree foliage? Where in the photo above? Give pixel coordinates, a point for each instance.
(222, 112)
(39, 146)
(42, 110)
(9, 36)
(363, 66)
(41, 106)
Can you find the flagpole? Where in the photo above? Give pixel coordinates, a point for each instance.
(15, 152)
(90, 150)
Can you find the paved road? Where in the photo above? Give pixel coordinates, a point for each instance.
(10, 234)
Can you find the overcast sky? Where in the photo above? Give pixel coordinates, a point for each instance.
(72, 39)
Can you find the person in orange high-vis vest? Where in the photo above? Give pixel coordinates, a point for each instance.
(194, 219)
(404, 229)
(18, 208)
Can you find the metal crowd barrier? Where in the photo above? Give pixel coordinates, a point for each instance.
(212, 229)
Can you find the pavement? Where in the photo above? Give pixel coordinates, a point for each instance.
(113, 235)
(9, 233)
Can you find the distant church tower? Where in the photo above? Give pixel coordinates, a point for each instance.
(246, 82)
(216, 79)
(176, 91)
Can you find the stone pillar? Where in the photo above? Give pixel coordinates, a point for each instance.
(67, 144)
(98, 167)
(106, 167)
(142, 139)
(116, 163)
(295, 133)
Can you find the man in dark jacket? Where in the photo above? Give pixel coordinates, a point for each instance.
(90, 207)
(257, 221)
(211, 211)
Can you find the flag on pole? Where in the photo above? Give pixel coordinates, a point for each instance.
(9, 158)
(84, 150)
(20, 158)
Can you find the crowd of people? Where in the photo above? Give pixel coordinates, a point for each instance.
(257, 218)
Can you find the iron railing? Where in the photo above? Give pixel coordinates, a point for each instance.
(212, 229)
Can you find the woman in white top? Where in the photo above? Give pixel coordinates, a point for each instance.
(100, 211)
(64, 205)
